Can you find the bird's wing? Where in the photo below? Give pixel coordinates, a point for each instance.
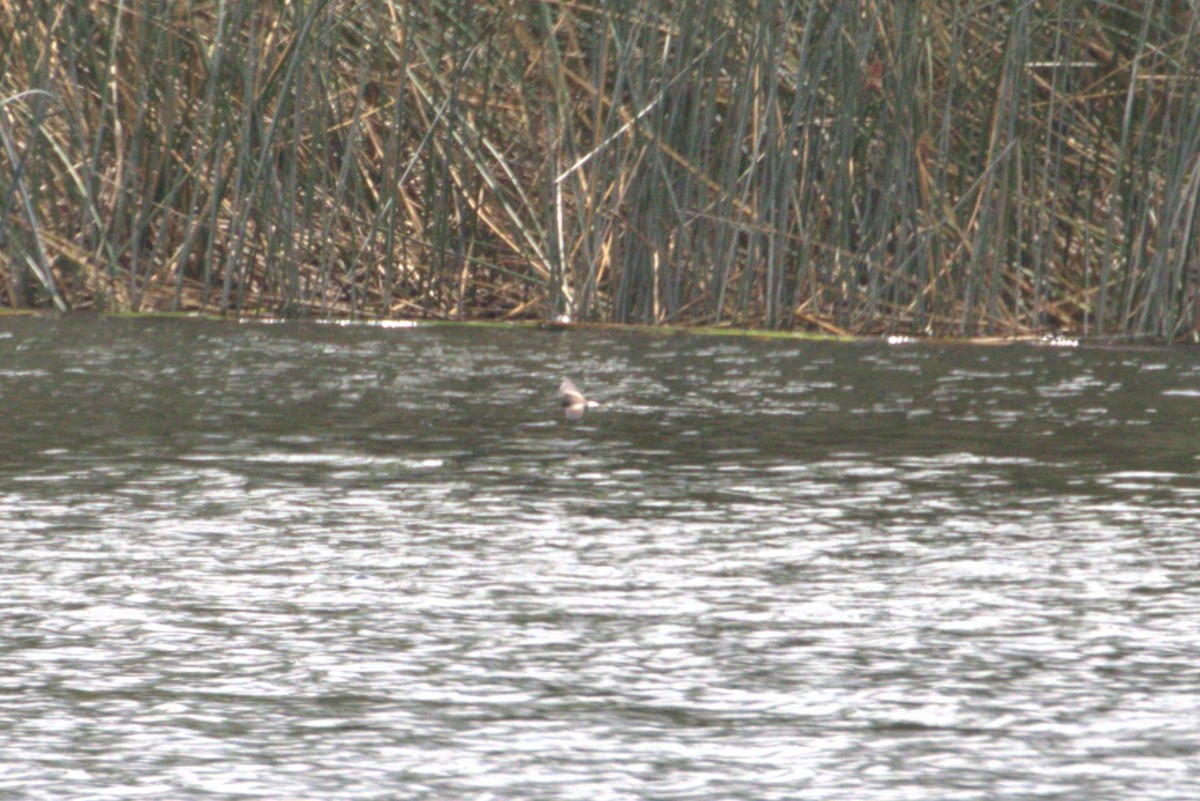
(571, 395)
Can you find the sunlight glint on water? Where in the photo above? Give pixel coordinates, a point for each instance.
(355, 563)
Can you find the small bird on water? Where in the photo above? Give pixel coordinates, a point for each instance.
(573, 402)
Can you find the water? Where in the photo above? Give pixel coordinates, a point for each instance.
(303, 561)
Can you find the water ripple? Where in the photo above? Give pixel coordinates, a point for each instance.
(339, 562)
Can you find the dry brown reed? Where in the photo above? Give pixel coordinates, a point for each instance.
(945, 168)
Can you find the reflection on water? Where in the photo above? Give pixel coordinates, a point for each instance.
(356, 563)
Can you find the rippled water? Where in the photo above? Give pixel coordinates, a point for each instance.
(322, 562)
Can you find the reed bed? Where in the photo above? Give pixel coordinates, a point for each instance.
(933, 168)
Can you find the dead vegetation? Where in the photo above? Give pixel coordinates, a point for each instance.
(939, 168)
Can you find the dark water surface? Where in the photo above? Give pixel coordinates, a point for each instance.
(323, 562)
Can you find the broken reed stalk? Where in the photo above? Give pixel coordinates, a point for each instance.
(952, 168)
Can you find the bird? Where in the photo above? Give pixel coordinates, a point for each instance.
(573, 402)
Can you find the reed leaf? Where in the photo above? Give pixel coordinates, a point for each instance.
(924, 168)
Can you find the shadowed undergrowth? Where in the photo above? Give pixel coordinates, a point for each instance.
(947, 168)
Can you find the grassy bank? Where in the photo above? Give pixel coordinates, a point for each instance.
(944, 168)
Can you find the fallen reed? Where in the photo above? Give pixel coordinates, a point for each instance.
(944, 168)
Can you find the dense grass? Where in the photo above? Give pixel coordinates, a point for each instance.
(951, 168)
